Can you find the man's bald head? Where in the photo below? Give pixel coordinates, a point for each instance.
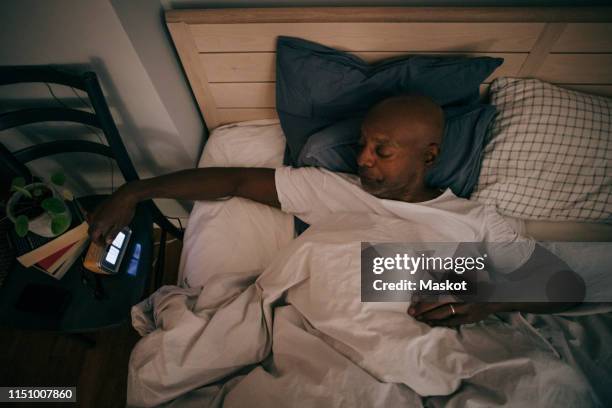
(411, 118)
(400, 137)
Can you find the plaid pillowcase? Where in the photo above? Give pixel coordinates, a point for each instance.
(549, 153)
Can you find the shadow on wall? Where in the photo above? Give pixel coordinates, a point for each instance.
(159, 153)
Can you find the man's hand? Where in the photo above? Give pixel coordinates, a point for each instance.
(442, 314)
(451, 314)
(111, 216)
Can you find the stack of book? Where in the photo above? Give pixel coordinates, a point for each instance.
(57, 256)
(54, 256)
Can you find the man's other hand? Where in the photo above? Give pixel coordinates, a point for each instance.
(451, 314)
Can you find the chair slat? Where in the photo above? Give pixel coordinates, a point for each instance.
(36, 115)
(16, 75)
(61, 146)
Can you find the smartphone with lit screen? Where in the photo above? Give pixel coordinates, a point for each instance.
(112, 256)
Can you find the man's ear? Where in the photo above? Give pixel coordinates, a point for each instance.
(431, 154)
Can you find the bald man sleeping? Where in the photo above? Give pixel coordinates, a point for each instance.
(400, 141)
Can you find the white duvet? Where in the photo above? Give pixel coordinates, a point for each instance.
(300, 336)
(294, 332)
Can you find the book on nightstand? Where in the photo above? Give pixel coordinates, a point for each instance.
(53, 256)
(56, 256)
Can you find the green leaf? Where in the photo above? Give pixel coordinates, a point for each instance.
(58, 178)
(22, 191)
(18, 181)
(37, 192)
(59, 224)
(21, 225)
(53, 205)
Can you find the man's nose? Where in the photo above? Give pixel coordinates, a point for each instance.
(365, 158)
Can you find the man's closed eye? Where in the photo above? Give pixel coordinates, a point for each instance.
(384, 152)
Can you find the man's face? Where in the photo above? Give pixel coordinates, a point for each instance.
(389, 163)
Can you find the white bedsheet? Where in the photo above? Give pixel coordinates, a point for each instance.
(329, 349)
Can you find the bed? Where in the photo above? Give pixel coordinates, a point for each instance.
(215, 346)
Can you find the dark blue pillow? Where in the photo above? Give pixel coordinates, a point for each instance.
(334, 148)
(458, 165)
(317, 86)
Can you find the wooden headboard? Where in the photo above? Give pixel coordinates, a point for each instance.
(228, 54)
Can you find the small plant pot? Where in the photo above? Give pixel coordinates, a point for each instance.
(39, 221)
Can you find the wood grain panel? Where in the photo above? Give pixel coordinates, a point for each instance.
(577, 69)
(244, 95)
(240, 115)
(460, 37)
(260, 66)
(388, 14)
(186, 49)
(240, 67)
(585, 37)
(548, 37)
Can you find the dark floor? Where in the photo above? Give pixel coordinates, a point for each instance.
(29, 358)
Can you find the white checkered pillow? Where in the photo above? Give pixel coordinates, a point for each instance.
(548, 153)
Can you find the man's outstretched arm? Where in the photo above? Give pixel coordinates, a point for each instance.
(256, 184)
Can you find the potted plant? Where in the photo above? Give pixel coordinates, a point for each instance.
(39, 207)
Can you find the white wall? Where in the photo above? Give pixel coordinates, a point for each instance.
(126, 44)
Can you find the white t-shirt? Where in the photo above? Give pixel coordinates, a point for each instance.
(312, 194)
